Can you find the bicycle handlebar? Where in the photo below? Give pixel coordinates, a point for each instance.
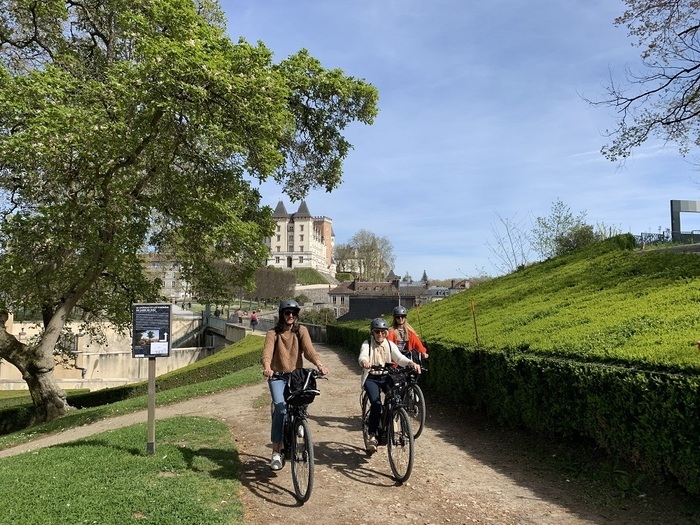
(314, 372)
(389, 367)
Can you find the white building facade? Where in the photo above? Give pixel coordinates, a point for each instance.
(301, 241)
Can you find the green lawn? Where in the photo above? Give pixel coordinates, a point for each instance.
(109, 478)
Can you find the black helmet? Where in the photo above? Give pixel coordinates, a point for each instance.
(378, 324)
(288, 304)
(399, 310)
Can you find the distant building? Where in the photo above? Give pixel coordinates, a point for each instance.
(357, 299)
(167, 269)
(301, 241)
(352, 300)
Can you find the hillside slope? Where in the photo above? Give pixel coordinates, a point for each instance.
(611, 302)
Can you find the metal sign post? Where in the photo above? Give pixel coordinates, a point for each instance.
(151, 442)
(152, 334)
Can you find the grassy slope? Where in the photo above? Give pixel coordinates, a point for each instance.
(608, 303)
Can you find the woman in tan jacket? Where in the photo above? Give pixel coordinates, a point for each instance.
(285, 347)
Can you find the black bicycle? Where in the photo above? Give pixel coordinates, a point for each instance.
(296, 438)
(394, 426)
(413, 398)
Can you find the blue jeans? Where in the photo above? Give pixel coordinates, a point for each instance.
(277, 391)
(374, 385)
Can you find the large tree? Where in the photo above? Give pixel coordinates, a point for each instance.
(662, 98)
(510, 246)
(374, 255)
(547, 233)
(127, 124)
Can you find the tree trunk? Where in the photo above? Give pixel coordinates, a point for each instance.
(36, 368)
(49, 399)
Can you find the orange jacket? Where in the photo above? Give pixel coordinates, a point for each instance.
(414, 342)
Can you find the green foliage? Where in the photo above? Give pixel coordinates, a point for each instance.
(272, 284)
(369, 256)
(302, 299)
(9, 398)
(658, 100)
(600, 343)
(131, 124)
(321, 317)
(579, 236)
(193, 478)
(306, 276)
(234, 358)
(554, 235)
(344, 276)
(604, 303)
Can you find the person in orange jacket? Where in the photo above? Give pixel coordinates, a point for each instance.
(405, 337)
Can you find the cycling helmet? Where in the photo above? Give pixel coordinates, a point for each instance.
(288, 304)
(399, 310)
(378, 324)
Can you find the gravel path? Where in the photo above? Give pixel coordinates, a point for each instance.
(467, 470)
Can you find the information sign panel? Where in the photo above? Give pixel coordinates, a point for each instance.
(152, 330)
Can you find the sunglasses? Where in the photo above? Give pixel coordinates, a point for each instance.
(399, 317)
(377, 332)
(289, 312)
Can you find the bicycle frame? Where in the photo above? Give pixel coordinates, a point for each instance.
(394, 426)
(298, 445)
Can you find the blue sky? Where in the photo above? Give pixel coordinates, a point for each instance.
(480, 114)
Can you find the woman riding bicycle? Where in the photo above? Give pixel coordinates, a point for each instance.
(285, 344)
(377, 350)
(405, 336)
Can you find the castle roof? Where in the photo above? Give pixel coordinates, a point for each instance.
(280, 211)
(303, 211)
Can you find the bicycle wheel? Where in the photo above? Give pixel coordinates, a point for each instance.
(302, 461)
(400, 445)
(364, 403)
(415, 408)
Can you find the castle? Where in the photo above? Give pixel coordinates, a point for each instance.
(301, 241)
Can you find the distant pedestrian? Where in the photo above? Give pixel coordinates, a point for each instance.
(253, 320)
(239, 314)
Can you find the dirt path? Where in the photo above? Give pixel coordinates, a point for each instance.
(466, 471)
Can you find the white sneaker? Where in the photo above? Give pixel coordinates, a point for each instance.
(276, 463)
(371, 444)
(300, 431)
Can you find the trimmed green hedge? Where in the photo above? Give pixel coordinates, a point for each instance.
(649, 418)
(231, 359)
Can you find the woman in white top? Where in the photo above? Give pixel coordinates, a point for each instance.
(377, 350)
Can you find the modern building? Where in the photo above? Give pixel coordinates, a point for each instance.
(301, 241)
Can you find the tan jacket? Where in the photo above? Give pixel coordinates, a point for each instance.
(290, 349)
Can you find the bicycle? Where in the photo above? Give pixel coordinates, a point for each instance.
(413, 400)
(394, 425)
(297, 443)
(413, 397)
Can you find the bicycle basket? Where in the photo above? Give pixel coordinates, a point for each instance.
(398, 377)
(300, 388)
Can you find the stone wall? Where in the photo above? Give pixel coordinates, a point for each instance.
(101, 365)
